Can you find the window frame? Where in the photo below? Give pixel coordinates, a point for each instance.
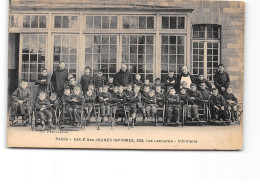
(77, 54)
(21, 54)
(92, 53)
(173, 15)
(138, 15)
(205, 41)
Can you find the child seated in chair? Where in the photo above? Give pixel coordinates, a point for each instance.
(67, 83)
(128, 93)
(194, 101)
(20, 100)
(43, 108)
(72, 84)
(76, 101)
(104, 100)
(204, 91)
(54, 101)
(90, 99)
(135, 100)
(173, 106)
(111, 84)
(151, 104)
(65, 99)
(231, 101)
(217, 106)
(159, 96)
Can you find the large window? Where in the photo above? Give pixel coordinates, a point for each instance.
(205, 50)
(33, 56)
(66, 21)
(138, 22)
(138, 54)
(34, 21)
(101, 53)
(172, 54)
(101, 22)
(65, 49)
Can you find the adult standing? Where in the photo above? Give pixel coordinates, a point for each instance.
(221, 79)
(185, 76)
(123, 77)
(58, 79)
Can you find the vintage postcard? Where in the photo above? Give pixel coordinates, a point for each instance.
(153, 74)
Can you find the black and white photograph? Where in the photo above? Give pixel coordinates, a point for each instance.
(125, 75)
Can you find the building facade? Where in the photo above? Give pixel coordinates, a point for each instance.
(151, 37)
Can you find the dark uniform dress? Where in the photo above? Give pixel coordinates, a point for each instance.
(45, 104)
(123, 78)
(111, 86)
(160, 99)
(58, 81)
(24, 95)
(173, 107)
(218, 101)
(85, 81)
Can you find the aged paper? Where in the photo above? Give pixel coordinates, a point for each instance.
(123, 75)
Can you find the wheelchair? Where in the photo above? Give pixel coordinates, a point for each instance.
(97, 114)
(226, 121)
(182, 111)
(64, 118)
(18, 120)
(203, 111)
(160, 110)
(36, 120)
(239, 113)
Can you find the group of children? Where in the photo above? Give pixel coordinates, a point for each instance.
(140, 96)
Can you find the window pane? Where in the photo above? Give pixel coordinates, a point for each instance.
(97, 22)
(150, 22)
(142, 22)
(26, 21)
(14, 21)
(43, 21)
(126, 22)
(105, 22)
(34, 21)
(181, 22)
(89, 22)
(57, 22)
(73, 22)
(65, 22)
(133, 22)
(113, 22)
(165, 22)
(173, 22)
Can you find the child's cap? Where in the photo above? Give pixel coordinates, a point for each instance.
(215, 89)
(157, 79)
(220, 65)
(171, 71)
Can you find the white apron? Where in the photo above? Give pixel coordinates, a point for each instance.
(186, 79)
